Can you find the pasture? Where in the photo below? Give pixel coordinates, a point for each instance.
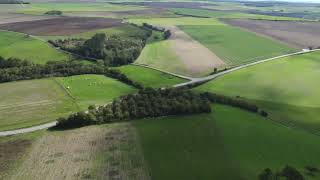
(25, 47)
(225, 42)
(286, 88)
(28, 103)
(150, 77)
(93, 89)
(227, 144)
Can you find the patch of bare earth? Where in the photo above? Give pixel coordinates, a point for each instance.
(198, 59)
(61, 26)
(96, 152)
(295, 33)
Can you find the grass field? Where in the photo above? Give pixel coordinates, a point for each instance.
(40, 8)
(286, 87)
(18, 45)
(27, 103)
(225, 41)
(227, 144)
(94, 89)
(149, 77)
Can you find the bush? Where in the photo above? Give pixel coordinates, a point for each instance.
(263, 113)
(54, 12)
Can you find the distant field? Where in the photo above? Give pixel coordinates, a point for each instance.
(27, 103)
(227, 144)
(286, 88)
(40, 8)
(225, 42)
(94, 89)
(18, 45)
(177, 21)
(149, 77)
(228, 14)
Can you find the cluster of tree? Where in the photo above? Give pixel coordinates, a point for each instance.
(13, 62)
(287, 173)
(60, 69)
(54, 12)
(166, 32)
(113, 50)
(235, 102)
(146, 103)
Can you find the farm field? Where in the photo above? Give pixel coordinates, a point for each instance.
(297, 34)
(284, 87)
(71, 25)
(20, 46)
(228, 144)
(150, 77)
(93, 89)
(95, 152)
(33, 102)
(13, 17)
(176, 21)
(225, 41)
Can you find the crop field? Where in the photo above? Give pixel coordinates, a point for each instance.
(150, 77)
(285, 87)
(297, 34)
(94, 89)
(27, 103)
(177, 21)
(95, 152)
(40, 8)
(225, 41)
(25, 47)
(227, 144)
(12, 17)
(71, 25)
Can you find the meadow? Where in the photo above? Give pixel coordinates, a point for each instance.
(225, 41)
(226, 144)
(93, 89)
(28, 103)
(25, 47)
(150, 77)
(286, 88)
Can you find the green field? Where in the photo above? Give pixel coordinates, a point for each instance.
(286, 87)
(20, 46)
(27, 103)
(149, 77)
(94, 89)
(40, 8)
(227, 144)
(225, 42)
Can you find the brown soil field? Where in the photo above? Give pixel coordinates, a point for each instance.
(95, 152)
(295, 33)
(61, 26)
(198, 59)
(12, 18)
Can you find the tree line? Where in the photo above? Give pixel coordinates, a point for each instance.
(146, 103)
(166, 32)
(20, 70)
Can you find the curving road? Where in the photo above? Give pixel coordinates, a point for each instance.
(192, 81)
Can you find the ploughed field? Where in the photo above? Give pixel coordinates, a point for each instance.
(61, 26)
(295, 33)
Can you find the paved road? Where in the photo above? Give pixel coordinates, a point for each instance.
(192, 81)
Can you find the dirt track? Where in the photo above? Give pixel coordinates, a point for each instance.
(197, 58)
(71, 25)
(297, 34)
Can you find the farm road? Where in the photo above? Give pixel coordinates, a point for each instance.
(192, 81)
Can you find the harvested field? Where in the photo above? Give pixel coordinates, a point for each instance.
(12, 18)
(198, 59)
(96, 152)
(295, 33)
(71, 25)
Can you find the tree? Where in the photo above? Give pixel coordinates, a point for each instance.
(266, 175)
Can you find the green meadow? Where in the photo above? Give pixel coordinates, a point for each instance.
(225, 41)
(25, 47)
(286, 88)
(93, 89)
(229, 143)
(150, 77)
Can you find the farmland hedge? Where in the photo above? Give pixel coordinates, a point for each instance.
(58, 69)
(146, 103)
